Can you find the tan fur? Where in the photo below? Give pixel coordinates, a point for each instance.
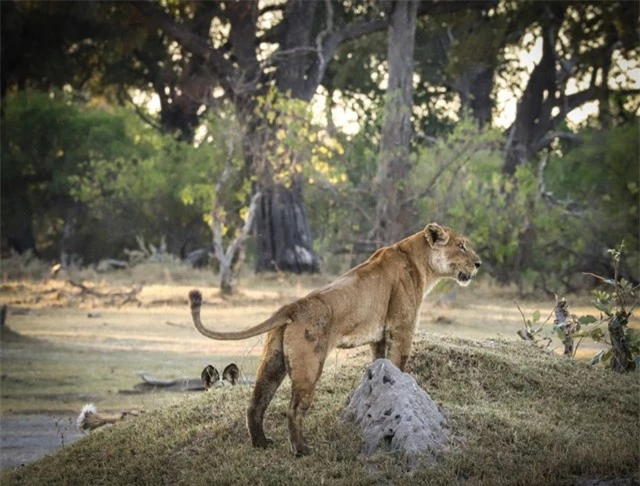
(375, 303)
(89, 418)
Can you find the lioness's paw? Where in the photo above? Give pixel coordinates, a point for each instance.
(304, 450)
(262, 442)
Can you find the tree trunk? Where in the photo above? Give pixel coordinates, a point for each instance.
(229, 274)
(394, 209)
(17, 221)
(232, 258)
(621, 361)
(534, 111)
(68, 231)
(283, 237)
(569, 325)
(283, 240)
(474, 85)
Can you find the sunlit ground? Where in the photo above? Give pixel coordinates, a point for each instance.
(80, 349)
(61, 349)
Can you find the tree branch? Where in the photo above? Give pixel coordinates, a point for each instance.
(444, 167)
(350, 201)
(453, 6)
(570, 207)
(246, 227)
(545, 141)
(331, 44)
(123, 95)
(186, 38)
(573, 101)
(322, 60)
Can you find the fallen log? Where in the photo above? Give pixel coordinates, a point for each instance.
(210, 378)
(150, 384)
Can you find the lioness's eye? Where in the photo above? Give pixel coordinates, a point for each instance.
(462, 247)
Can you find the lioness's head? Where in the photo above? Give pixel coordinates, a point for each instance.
(451, 255)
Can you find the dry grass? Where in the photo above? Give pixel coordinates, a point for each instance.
(72, 358)
(520, 417)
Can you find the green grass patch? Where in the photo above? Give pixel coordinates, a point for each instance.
(519, 416)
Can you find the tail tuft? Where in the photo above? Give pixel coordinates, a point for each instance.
(195, 298)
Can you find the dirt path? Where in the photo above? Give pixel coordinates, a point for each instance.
(26, 438)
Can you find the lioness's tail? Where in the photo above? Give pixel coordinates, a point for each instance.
(279, 319)
(90, 419)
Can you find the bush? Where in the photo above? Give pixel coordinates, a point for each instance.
(88, 180)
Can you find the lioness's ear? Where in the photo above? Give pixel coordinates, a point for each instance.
(209, 376)
(436, 234)
(231, 373)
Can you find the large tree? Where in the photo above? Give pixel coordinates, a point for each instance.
(580, 40)
(191, 53)
(303, 37)
(394, 211)
(283, 45)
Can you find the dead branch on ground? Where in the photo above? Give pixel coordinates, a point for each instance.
(118, 297)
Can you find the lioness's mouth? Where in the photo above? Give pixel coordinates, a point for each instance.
(464, 277)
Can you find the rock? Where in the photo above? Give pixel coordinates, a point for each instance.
(395, 414)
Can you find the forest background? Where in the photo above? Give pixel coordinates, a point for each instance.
(299, 136)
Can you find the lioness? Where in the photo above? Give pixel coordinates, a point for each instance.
(375, 303)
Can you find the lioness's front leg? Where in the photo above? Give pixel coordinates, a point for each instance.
(399, 346)
(378, 350)
(402, 319)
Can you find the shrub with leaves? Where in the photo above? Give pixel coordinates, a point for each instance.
(616, 304)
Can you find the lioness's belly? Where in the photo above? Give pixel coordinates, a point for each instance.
(361, 335)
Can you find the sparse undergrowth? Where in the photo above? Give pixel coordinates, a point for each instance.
(519, 416)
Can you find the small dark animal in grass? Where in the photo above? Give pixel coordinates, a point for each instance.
(89, 418)
(375, 303)
(211, 377)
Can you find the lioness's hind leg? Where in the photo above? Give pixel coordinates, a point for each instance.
(301, 398)
(271, 372)
(304, 361)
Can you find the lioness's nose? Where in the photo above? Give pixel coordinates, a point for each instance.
(478, 264)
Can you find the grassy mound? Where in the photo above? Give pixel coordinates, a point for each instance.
(519, 416)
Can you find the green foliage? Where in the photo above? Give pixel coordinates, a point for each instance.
(46, 139)
(602, 175)
(616, 303)
(292, 144)
(519, 235)
(100, 175)
(528, 233)
(158, 168)
(539, 228)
